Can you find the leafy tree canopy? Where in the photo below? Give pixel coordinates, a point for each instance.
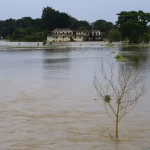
(133, 24)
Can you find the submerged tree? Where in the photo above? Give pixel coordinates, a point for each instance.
(120, 91)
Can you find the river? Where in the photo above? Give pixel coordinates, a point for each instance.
(47, 101)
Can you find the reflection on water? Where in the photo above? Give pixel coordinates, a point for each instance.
(142, 53)
(48, 102)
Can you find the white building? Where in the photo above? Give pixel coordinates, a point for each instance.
(66, 35)
(60, 35)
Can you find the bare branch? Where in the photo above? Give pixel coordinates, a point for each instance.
(125, 93)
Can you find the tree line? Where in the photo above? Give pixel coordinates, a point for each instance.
(132, 26)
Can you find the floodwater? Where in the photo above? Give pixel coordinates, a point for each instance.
(47, 102)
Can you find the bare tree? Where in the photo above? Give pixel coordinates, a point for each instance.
(120, 90)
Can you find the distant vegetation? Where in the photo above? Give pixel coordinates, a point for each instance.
(134, 26)
(28, 29)
(131, 26)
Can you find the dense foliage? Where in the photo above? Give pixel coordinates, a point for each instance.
(134, 26)
(103, 26)
(28, 29)
(131, 26)
(114, 35)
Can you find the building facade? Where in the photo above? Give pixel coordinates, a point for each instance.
(67, 35)
(60, 35)
(78, 36)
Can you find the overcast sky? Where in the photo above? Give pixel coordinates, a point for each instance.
(89, 10)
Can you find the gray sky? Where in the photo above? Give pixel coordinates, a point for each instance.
(89, 10)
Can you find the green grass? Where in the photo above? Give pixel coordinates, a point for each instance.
(121, 58)
(110, 45)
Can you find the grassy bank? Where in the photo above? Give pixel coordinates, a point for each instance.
(73, 45)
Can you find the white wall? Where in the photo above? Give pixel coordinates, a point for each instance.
(78, 38)
(59, 39)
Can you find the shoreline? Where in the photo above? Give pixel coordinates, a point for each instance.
(33, 45)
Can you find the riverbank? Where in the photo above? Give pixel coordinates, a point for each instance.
(39, 45)
(5, 45)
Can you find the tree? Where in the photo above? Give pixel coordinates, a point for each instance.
(24, 22)
(103, 25)
(64, 20)
(114, 35)
(146, 37)
(122, 96)
(83, 25)
(133, 24)
(54, 19)
(19, 33)
(7, 27)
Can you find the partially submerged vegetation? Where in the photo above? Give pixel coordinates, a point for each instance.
(116, 96)
(133, 58)
(121, 58)
(110, 45)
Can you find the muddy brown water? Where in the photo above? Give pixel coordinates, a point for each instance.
(47, 102)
